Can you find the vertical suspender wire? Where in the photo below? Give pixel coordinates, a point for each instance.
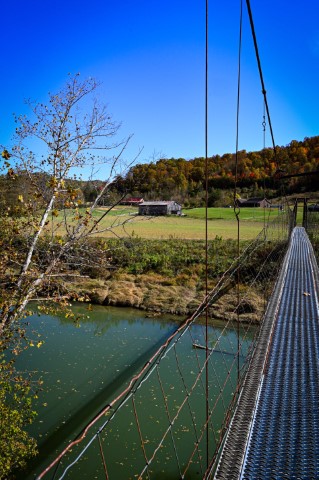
(264, 193)
(266, 217)
(236, 206)
(206, 233)
(102, 457)
(264, 124)
(264, 146)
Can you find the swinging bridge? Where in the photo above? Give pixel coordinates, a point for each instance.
(266, 388)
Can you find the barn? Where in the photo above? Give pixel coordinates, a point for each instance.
(253, 202)
(159, 208)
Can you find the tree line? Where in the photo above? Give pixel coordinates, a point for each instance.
(259, 174)
(184, 180)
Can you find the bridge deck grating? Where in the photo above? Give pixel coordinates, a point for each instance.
(282, 440)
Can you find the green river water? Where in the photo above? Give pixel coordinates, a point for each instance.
(83, 367)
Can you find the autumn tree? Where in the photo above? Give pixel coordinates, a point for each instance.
(73, 131)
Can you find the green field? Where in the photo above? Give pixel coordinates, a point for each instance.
(245, 214)
(124, 221)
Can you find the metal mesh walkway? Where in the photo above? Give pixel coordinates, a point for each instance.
(277, 436)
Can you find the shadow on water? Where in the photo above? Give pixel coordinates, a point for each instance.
(70, 428)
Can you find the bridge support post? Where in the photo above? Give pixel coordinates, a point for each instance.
(305, 214)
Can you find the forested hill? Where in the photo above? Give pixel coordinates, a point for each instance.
(184, 179)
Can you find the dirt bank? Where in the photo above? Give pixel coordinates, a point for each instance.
(157, 294)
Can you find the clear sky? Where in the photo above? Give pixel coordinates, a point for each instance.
(149, 56)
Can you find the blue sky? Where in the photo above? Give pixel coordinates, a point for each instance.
(149, 56)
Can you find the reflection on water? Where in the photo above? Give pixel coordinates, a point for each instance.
(83, 368)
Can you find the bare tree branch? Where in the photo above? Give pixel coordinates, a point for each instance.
(70, 136)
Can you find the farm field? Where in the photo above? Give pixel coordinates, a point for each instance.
(222, 223)
(189, 228)
(246, 214)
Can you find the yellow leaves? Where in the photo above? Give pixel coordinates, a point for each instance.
(38, 344)
(20, 198)
(72, 192)
(5, 154)
(53, 182)
(55, 213)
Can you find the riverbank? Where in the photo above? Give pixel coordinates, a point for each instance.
(159, 295)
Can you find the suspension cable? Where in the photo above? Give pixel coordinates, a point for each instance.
(236, 205)
(264, 124)
(264, 92)
(206, 230)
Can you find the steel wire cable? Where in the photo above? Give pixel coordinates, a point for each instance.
(264, 92)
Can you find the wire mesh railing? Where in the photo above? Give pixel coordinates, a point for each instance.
(311, 224)
(158, 425)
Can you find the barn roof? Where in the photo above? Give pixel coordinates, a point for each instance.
(134, 199)
(252, 200)
(156, 203)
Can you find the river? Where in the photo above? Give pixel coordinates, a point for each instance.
(84, 365)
